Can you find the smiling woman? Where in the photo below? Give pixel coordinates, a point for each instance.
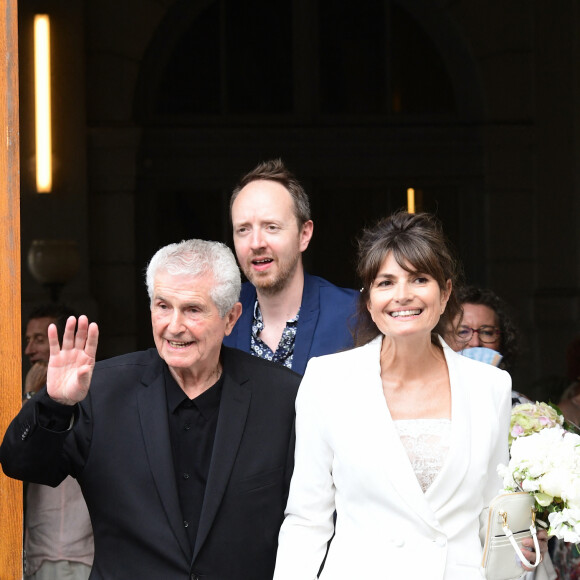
(403, 302)
(401, 436)
(414, 244)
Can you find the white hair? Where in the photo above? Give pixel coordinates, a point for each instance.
(195, 258)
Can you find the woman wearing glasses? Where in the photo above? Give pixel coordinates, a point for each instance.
(401, 436)
(485, 323)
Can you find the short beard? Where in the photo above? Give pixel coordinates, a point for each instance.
(272, 286)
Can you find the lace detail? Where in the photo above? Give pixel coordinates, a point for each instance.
(427, 443)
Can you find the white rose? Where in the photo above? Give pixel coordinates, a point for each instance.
(571, 492)
(566, 525)
(554, 482)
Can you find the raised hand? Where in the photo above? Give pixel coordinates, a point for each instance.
(70, 367)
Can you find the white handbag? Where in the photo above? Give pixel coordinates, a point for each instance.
(510, 518)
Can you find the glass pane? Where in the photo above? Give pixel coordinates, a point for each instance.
(352, 56)
(191, 83)
(376, 59)
(182, 215)
(420, 82)
(259, 56)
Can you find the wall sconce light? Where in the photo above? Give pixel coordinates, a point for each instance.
(411, 200)
(42, 103)
(53, 263)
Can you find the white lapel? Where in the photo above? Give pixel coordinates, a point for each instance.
(455, 466)
(392, 462)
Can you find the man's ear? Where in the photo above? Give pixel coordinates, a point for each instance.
(306, 232)
(232, 317)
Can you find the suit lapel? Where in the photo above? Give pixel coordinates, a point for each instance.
(243, 328)
(234, 407)
(451, 476)
(152, 403)
(403, 478)
(309, 312)
(392, 458)
(397, 466)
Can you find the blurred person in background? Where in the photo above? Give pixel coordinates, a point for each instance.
(58, 537)
(486, 324)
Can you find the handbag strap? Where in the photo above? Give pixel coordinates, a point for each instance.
(515, 546)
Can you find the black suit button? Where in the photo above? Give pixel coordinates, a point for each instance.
(185, 524)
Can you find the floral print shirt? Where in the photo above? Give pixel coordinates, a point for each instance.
(285, 351)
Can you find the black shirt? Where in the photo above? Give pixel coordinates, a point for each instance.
(192, 426)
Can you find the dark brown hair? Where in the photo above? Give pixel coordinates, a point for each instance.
(418, 245)
(508, 333)
(59, 312)
(275, 170)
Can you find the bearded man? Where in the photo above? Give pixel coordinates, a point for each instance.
(288, 315)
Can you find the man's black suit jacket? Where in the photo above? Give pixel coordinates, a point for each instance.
(119, 450)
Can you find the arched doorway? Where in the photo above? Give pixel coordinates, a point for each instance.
(361, 100)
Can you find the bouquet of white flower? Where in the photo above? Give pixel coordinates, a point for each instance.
(545, 462)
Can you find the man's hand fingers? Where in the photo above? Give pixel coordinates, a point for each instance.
(92, 340)
(81, 334)
(70, 367)
(68, 340)
(53, 340)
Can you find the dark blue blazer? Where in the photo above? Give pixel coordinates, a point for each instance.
(324, 325)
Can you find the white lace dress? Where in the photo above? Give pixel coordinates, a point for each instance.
(427, 444)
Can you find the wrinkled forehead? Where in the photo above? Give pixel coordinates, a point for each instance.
(183, 286)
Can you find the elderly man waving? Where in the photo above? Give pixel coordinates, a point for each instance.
(184, 452)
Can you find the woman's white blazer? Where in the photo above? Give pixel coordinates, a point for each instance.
(349, 458)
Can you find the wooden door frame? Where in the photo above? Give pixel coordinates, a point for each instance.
(10, 339)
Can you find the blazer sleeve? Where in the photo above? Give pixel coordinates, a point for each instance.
(500, 448)
(33, 448)
(308, 525)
